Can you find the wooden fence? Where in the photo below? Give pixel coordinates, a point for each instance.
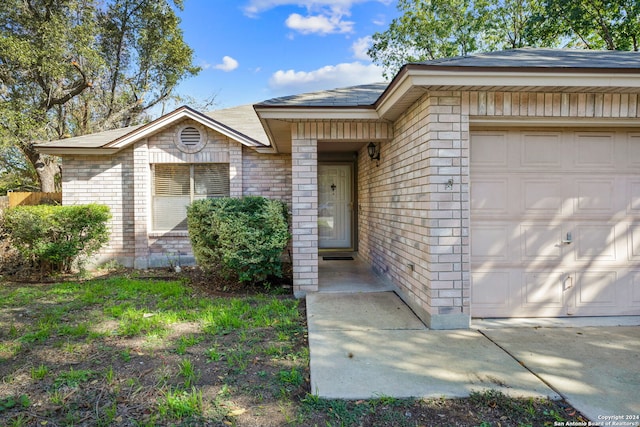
(32, 199)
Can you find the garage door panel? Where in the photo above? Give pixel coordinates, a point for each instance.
(489, 150)
(633, 197)
(595, 242)
(635, 289)
(542, 196)
(541, 150)
(594, 150)
(594, 196)
(632, 155)
(491, 196)
(490, 292)
(541, 242)
(595, 289)
(543, 289)
(633, 240)
(490, 242)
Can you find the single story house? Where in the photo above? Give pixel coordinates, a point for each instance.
(503, 184)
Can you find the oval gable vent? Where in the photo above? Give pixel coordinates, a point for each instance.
(190, 136)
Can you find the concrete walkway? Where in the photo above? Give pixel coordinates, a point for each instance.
(370, 344)
(365, 345)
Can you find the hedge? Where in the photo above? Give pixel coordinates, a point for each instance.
(239, 237)
(55, 238)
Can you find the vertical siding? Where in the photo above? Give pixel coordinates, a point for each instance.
(537, 104)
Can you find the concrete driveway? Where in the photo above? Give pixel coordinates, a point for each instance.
(365, 345)
(596, 369)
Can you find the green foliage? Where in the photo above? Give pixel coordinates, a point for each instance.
(73, 378)
(597, 24)
(54, 237)
(243, 237)
(73, 67)
(13, 401)
(431, 29)
(181, 404)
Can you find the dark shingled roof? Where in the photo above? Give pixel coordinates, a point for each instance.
(354, 96)
(367, 95)
(544, 58)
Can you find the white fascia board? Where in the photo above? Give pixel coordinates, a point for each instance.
(170, 118)
(394, 94)
(413, 78)
(318, 113)
(524, 79)
(582, 122)
(75, 151)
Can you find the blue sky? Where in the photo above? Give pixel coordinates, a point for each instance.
(252, 50)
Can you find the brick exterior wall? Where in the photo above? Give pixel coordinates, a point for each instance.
(304, 179)
(414, 207)
(123, 182)
(108, 181)
(267, 175)
(413, 227)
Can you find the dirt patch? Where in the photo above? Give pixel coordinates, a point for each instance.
(118, 351)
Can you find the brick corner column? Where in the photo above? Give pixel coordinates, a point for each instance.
(141, 203)
(304, 212)
(235, 170)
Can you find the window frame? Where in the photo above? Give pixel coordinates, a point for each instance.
(192, 196)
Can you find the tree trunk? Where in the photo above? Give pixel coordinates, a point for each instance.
(47, 168)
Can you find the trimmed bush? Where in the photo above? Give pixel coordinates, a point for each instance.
(239, 237)
(54, 238)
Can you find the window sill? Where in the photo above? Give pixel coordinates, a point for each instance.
(172, 233)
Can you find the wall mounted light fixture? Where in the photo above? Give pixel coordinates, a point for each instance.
(374, 151)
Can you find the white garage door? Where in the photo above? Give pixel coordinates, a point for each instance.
(555, 223)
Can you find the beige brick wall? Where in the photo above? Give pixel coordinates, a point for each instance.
(123, 182)
(304, 179)
(267, 175)
(108, 181)
(412, 226)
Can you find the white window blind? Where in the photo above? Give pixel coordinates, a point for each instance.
(211, 180)
(175, 186)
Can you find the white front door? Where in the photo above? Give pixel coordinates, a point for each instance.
(335, 206)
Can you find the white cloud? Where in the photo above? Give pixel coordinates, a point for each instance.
(254, 7)
(360, 48)
(228, 64)
(321, 24)
(328, 77)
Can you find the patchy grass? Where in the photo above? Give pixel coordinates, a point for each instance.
(138, 352)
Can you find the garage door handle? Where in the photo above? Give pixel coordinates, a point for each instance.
(568, 282)
(568, 240)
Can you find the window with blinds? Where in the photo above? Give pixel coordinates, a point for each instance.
(176, 186)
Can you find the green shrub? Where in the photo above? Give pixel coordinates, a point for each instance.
(53, 238)
(239, 237)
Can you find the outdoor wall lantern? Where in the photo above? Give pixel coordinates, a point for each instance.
(374, 151)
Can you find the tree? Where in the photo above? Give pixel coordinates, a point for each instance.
(430, 29)
(594, 24)
(71, 67)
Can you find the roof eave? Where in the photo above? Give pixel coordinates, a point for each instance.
(288, 112)
(179, 114)
(415, 79)
(77, 151)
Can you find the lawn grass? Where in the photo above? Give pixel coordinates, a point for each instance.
(131, 352)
